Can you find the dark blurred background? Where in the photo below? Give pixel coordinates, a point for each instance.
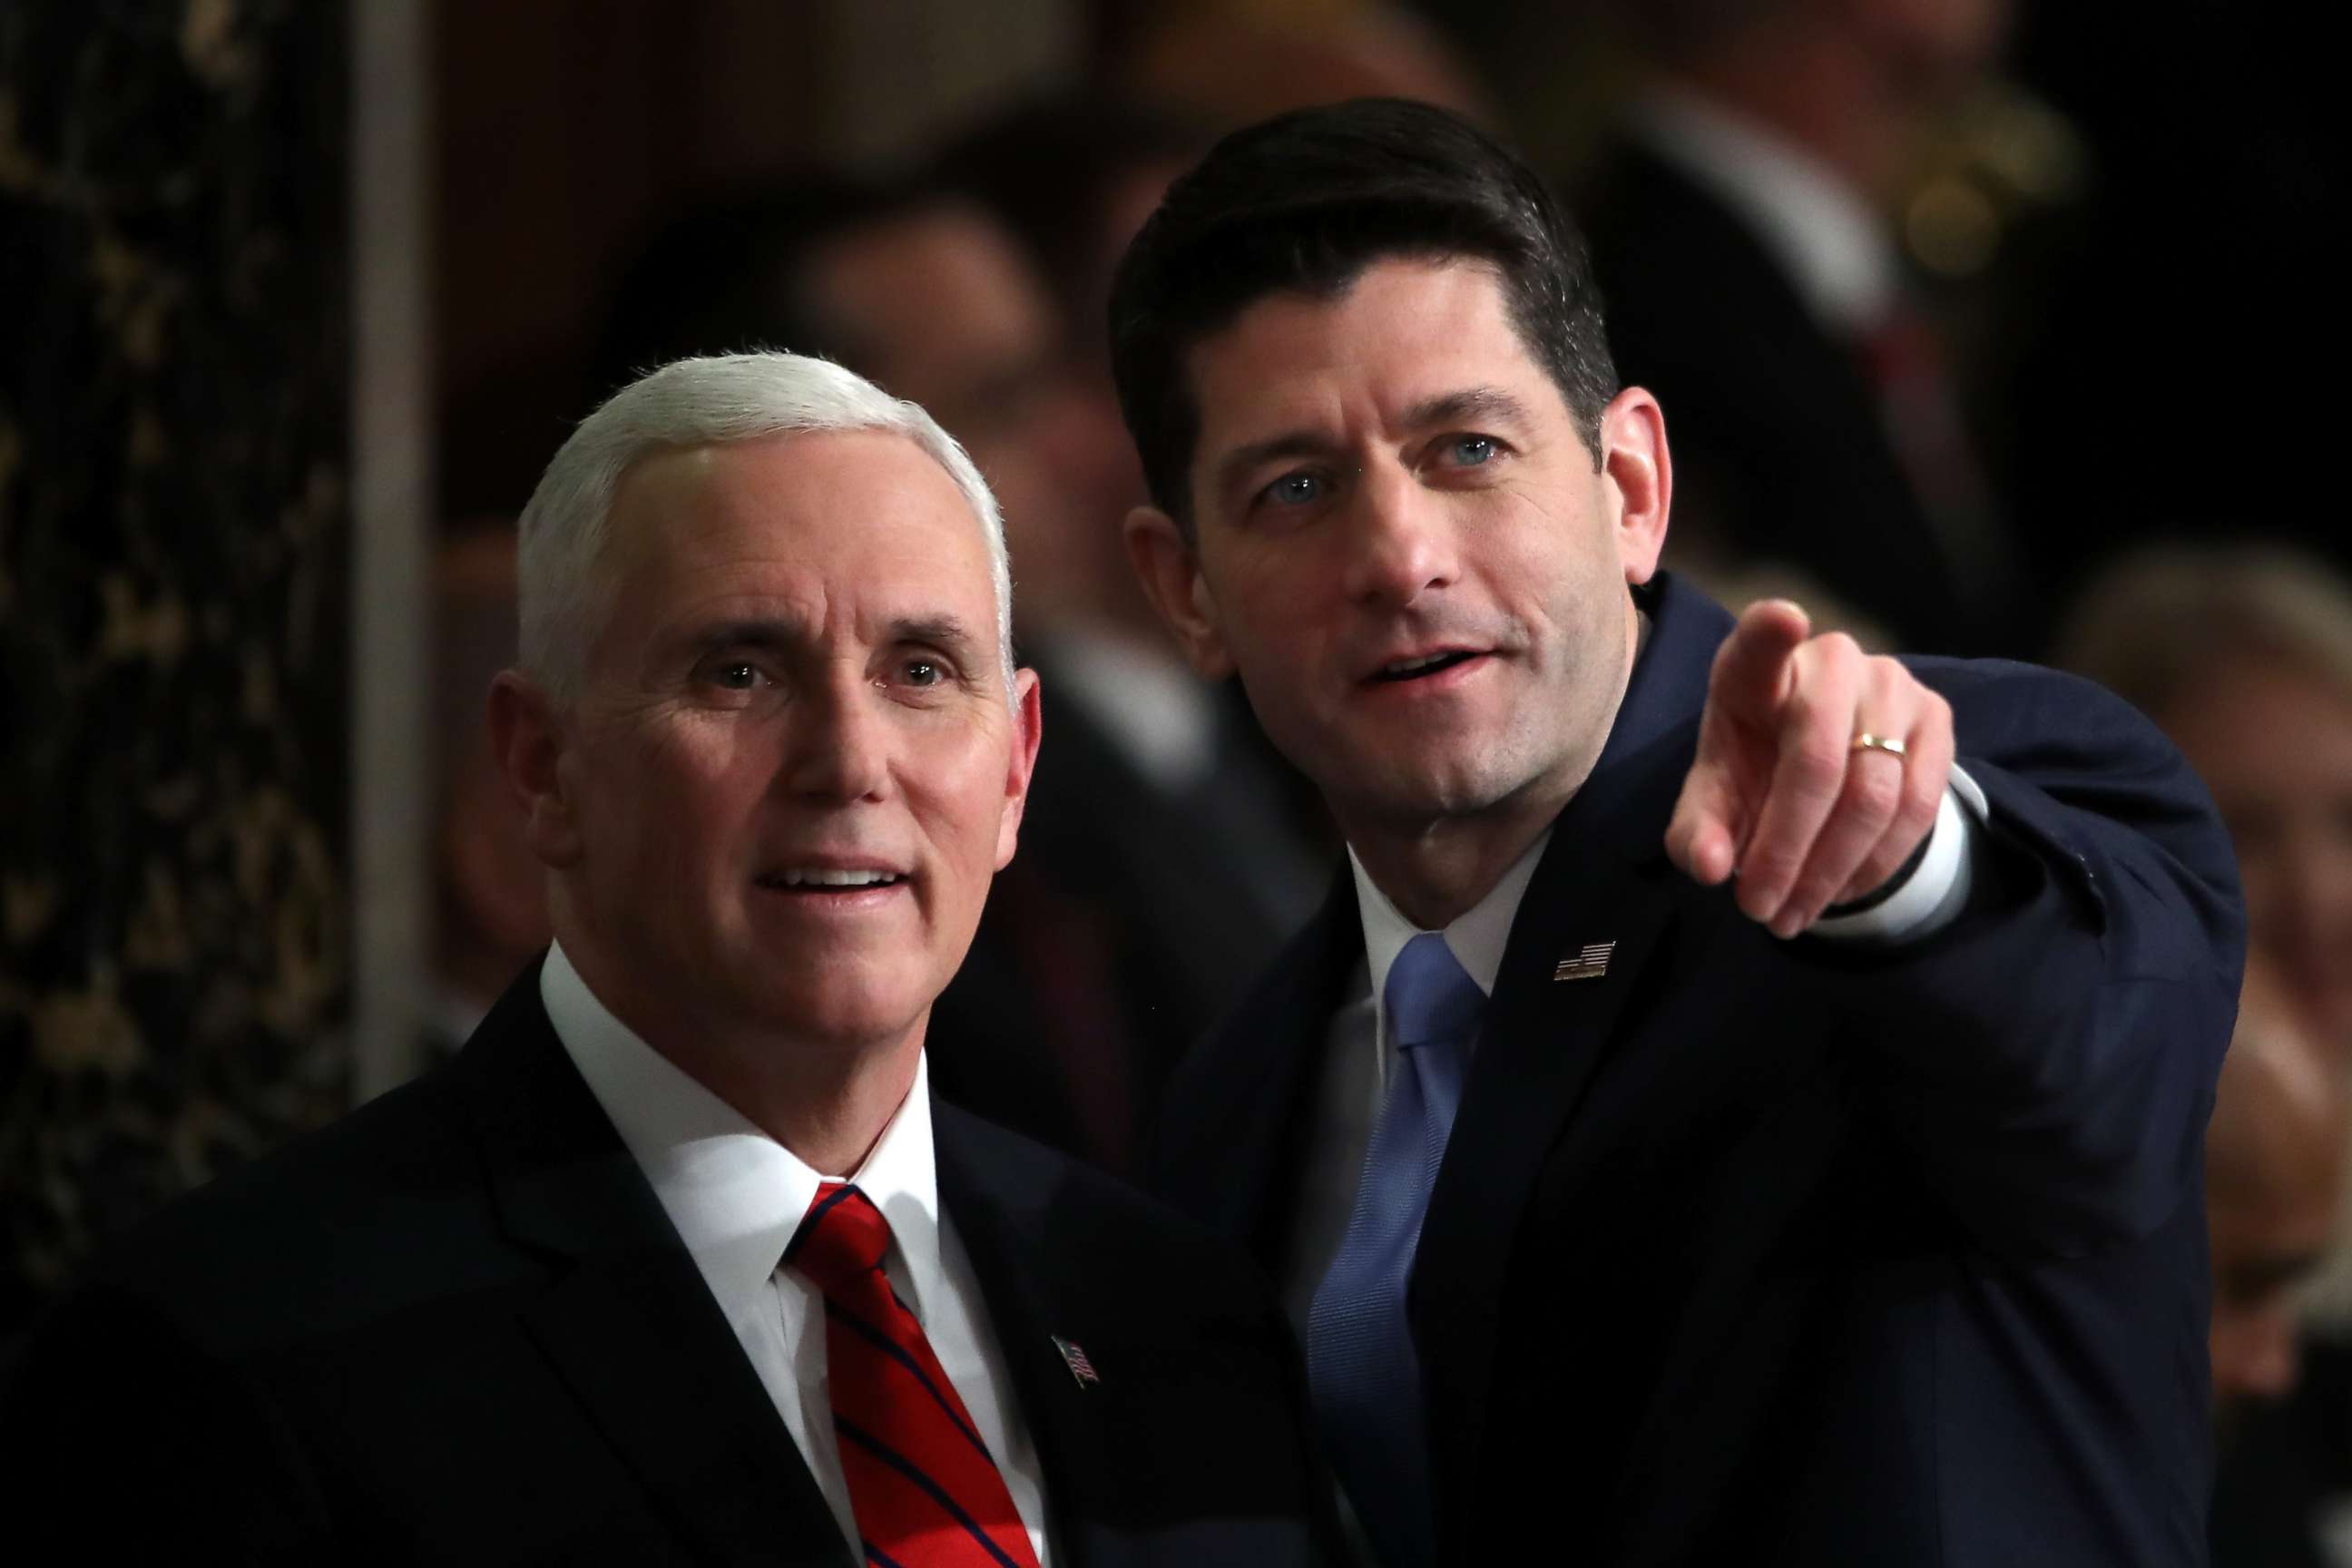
(1982, 326)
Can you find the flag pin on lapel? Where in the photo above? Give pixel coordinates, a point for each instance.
(1075, 1358)
(1590, 963)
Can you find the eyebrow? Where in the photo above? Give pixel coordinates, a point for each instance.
(945, 631)
(757, 632)
(1471, 405)
(1479, 405)
(948, 632)
(1237, 463)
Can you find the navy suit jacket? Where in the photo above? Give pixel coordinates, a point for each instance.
(457, 1327)
(1764, 1252)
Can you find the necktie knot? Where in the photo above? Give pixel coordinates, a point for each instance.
(841, 1240)
(1431, 998)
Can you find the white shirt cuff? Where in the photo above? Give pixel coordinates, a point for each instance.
(1937, 890)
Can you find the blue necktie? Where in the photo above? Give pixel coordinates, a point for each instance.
(1361, 1359)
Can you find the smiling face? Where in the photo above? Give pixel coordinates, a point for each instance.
(792, 769)
(1401, 542)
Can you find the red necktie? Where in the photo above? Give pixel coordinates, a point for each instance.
(926, 1492)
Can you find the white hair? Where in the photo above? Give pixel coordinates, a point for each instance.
(690, 402)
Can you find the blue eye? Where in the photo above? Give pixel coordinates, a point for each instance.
(1295, 489)
(1470, 451)
(924, 672)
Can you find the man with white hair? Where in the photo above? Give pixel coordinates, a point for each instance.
(679, 1259)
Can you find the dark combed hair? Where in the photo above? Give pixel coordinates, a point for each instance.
(1303, 203)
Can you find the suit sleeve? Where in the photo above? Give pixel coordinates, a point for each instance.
(2051, 1057)
(130, 1441)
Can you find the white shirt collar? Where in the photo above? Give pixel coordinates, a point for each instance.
(734, 1194)
(1822, 232)
(1476, 939)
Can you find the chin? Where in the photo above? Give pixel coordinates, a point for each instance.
(1437, 790)
(837, 1008)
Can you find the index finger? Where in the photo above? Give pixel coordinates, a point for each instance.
(1753, 673)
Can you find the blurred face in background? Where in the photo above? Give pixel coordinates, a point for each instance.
(941, 307)
(2274, 1157)
(2275, 745)
(947, 310)
(1936, 43)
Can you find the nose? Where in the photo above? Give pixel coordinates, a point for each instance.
(1402, 544)
(837, 742)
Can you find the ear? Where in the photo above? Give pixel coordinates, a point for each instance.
(1639, 476)
(1170, 572)
(1028, 730)
(527, 744)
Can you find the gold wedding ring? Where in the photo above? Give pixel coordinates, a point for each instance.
(1866, 741)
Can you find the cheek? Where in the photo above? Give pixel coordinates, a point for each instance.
(1280, 632)
(955, 787)
(681, 799)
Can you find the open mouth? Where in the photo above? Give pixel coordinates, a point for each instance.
(821, 880)
(1422, 669)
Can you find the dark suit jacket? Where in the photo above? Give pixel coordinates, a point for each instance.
(457, 1327)
(1781, 450)
(1122, 931)
(1767, 1252)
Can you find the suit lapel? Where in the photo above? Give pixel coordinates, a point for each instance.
(627, 1320)
(1604, 878)
(1001, 1225)
(1232, 1160)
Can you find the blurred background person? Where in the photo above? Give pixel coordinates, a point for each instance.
(489, 894)
(2243, 654)
(2274, 1176)
(927, 295)
(1224, 64)
(2274, 1166)
(1742, 225)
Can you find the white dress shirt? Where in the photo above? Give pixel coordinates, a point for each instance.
(1358, 1049)
(736, 1197)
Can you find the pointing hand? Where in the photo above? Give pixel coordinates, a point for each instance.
(1784, 794)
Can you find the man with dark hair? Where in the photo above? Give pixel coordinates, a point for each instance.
(1389, 188)
(1853, 1217)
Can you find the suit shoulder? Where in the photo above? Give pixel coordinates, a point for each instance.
(327, 1219)
(1075, 1211)
(1303, 979)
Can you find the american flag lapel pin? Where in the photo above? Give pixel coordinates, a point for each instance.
(1074, 1356)
(1589, 961)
